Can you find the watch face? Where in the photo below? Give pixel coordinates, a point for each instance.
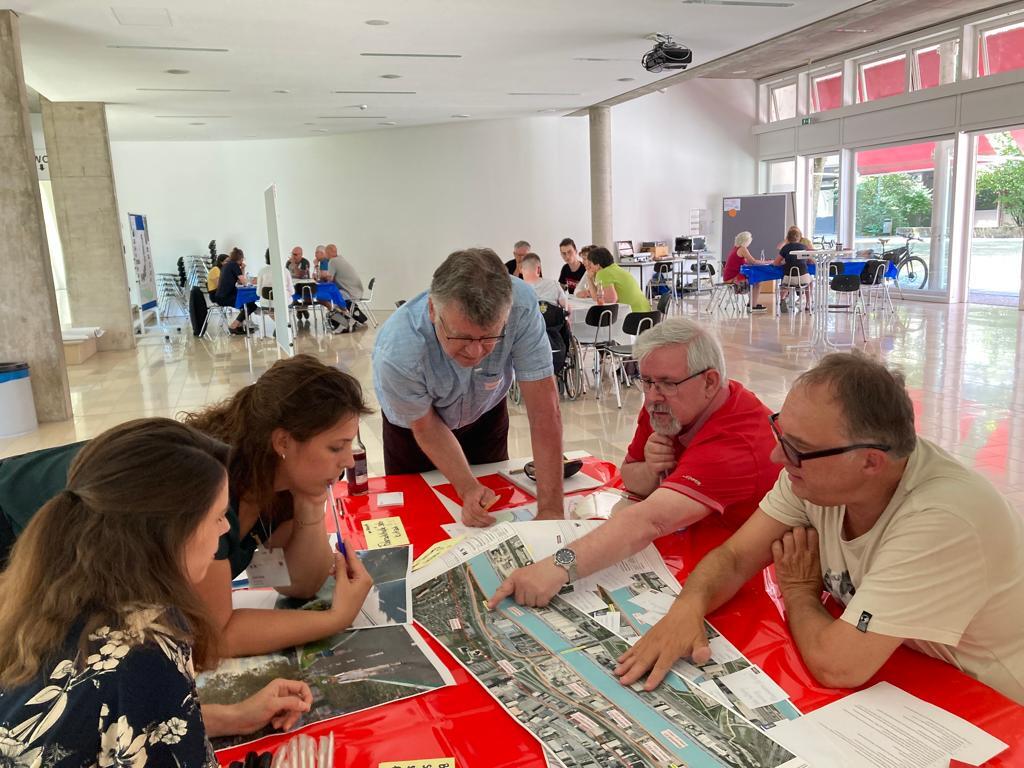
(565, 557)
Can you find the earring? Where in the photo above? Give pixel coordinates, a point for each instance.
(282, 457)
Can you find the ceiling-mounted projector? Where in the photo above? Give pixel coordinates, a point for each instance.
(666, 54)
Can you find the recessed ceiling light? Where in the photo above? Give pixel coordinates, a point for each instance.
(281, 90)
(853, 31)
(187, 90)
(197, 123)
(169, 48)
(319, 130)
(546, 111)
(599, 58)
(309, 123)
(398, 93)
(739, 72)
(388, 122)
(541, 93)
(415, 55)
(351, 117)
(626, 79)
(744, 3)
(176, 71)
(460, 115)
(194, 117)
(391, 77)
(377, 22)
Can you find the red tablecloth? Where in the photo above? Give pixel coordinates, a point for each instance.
(464, 722)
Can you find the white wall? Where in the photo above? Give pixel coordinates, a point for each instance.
(682, 149)
(396, 202)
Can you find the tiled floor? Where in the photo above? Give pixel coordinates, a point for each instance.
(963, 366)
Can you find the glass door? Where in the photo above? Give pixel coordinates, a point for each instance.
(823, 200)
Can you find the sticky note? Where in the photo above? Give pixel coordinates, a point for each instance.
(393, 499)
(435, 552)
(384, 532)
(436, 762)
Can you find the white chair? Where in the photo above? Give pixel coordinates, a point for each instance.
(225, 315)
(364, 303)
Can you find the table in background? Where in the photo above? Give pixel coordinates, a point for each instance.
(578, 309)
(324, 292)
(463, 721)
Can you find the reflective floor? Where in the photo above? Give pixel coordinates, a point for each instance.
(963, 366)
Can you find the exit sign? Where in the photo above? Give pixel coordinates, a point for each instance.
(805, 121)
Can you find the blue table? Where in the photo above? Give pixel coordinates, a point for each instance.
(760, 273)
(324, 292)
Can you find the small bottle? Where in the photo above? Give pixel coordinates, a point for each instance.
(356, 475)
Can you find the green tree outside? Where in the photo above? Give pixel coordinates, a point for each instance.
(1003, 182)
(899, 197)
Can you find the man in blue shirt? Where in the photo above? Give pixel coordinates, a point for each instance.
(442, 367)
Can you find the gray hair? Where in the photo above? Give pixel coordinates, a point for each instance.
(872, 399)
(320, 249)
(702, 348)
(477, 280)
(521, 244)
(743, 239)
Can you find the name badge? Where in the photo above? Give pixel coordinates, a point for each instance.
(268, 569)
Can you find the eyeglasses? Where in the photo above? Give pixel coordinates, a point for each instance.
(667, 388)
(796, 458)
(487, 341)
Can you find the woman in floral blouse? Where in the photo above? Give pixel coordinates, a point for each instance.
(100, 619)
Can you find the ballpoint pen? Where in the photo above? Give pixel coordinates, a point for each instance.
(339, 543)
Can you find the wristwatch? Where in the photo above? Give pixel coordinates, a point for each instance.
(566, 558)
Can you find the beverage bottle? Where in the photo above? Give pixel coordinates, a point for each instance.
(356, 475)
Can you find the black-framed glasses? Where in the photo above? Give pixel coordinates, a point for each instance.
(667, 388)
(796, 458)
(485, 340)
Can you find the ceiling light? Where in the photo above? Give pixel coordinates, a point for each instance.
(187, 90)
(416, 55)
(460, 116)
(599, 58)
(745, 3)
(319, 130)
(176, 71)
(391, 77)
(197, 123)
(626, 79)
(169, 48)
(281, 90)
(309, 123)
(541, 93)
(388, 122)
(546, 111)
(194, 117)
(351, 117)
(377, 22)
(853, 31)
(739, 72)
(399, 93)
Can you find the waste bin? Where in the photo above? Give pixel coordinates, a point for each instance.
(17, 408)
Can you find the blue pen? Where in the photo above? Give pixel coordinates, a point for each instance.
(339, 543)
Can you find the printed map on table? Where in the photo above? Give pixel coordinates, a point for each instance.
(551, 668)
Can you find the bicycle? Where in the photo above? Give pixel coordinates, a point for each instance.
(911, 270)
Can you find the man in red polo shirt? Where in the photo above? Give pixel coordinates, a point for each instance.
(702, 447)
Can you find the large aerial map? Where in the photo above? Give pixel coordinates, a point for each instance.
(551, 668)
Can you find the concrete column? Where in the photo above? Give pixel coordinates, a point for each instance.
(86, 210)
(29, 325)
(601, 176)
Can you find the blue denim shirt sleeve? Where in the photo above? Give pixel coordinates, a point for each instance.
(402, 394)
(531, 350)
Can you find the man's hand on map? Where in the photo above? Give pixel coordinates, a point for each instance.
(679, 634)
(352, 583)
(533, 585)
(797, 562)
(659, 453)
(476, 501)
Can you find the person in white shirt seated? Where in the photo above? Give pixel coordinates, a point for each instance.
(546, 290)
(585, 287)
(264, 279)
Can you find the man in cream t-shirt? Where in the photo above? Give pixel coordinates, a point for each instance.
(919, 549)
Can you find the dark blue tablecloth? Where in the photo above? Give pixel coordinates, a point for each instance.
(759, 273)
(324, 292)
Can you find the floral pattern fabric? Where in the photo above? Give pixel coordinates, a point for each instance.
(131, 702)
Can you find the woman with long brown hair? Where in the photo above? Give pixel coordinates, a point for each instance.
(100, 619)
(291, 434)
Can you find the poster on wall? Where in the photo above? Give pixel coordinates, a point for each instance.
(143, 260)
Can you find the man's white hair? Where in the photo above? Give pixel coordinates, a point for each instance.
(744, 239)
(702, 348)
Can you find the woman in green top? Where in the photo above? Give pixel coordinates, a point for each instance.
(291, 434)
(614, 285)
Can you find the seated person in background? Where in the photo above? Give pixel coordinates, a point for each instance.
(298, 267)
(99, 613)
(546, 290)
(585, 287)
(738, 256)
(265, 279)
(519, 250)
(232, 275)
(344, 275)
(320, 261)
(702, 447)
(574, 269)
(794, 268)
(213, 276)
(920, 550)
(614, 285)
(285, 453)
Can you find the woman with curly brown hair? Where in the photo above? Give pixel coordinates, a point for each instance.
(100, 617)
(291, 433)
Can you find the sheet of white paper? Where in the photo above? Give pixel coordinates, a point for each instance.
(654, 602)
(392, 499)
(753, 687)
(587, 602)
(687, 671)
(599, 505)
(482, 540)
(710, 687)
(723, 651)
(885, 726)
(612, 621)
(435, 478)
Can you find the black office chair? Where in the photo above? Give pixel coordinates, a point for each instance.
(872, 277)
(602, 316)
(850, 285)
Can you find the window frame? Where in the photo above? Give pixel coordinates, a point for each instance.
(771, 88)
(1004, 22)
(881, 58)
(821, 74)
(922, 46)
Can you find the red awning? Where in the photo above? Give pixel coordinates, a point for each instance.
(909, 158)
